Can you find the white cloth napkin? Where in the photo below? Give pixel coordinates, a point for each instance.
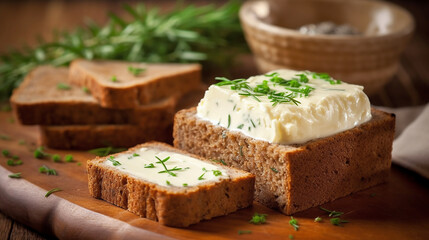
(411, 144)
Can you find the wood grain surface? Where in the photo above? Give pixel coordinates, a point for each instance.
(395, 210)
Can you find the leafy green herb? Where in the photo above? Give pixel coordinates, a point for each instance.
(275, 170)
(317, 219)
(53, 190)
(68, 158)
(217, 173)
(201, 177)
(112, 159)
(47, 170)
(258, 218)
(5, 152)
(102, 152)
(165, 167)
(241, 232)
(56, 158)
(229, 120)
(114, 79)
(4, 137)
(39, 153)
(253, 124)
(291, 236)
(11, 162)
(63, 86)
(135, 70)
(337, 221)
(150, 165)
(15, 175)
(185, 184)
(332, 213)
(294, 223)
(86, 90)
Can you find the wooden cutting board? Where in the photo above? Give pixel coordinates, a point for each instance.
(398, 209)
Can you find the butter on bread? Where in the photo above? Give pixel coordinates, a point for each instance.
(169, 205)
(295, 177)
(156, 82)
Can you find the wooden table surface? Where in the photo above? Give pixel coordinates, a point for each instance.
(410, 87)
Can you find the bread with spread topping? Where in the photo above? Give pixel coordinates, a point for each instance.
(114, 86)
(39, 100)
(169, 205)
(295, 177)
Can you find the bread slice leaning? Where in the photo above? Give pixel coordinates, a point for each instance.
(115, 86)
(40, 100)
(170, 205)
(292, 178)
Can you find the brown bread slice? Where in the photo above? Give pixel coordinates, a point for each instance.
(39, 101)
(158, 81)
(292, 178)
(85, 137)
(172, 206)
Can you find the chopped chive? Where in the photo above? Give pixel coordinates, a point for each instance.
(165, 167)
(135, 155)
(112, 159)
(79, 163)
(275, 170)
(11, 162)
(135, 70)
(332, 213)
(102, 152)
(14, 157)
(201, 177)
(56, 158)
(229, 120)
(223, 162)
(318, 219)
(150, 165)
(337, 221)
(291, 236)
(258, 218)
(168, 182)
(47, 170)
(53, 190)
(294, 223)
(114, 79)
(240, 126)
(253, 123)
(240, 232)
(5, 152)
(15, 175)
(63, 86)
(68, 158)
(86, 90)
(217, 173)
(185, 184)
(39, 153)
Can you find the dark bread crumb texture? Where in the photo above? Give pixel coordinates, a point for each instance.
(292, 178)
(138, 93)
(172, 206)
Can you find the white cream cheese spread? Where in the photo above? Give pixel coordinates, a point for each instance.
(285, 106)
(167, 168)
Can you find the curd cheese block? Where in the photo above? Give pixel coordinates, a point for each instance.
(285, 106)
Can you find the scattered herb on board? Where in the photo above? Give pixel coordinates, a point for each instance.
(258, 218)
(11, 120)
(275, 170)
(68, 158)
(291, 236)
(47, 170)
(338, 221)
(6, 108)
(4, 137)
(39, 153)
(112, 159)
(102, 152)
(332, 213)
(5, 152)
(135, 70)
(15, 175)
(56, 158)
(79, 163)
(241, 232)
(11, 162)
(63, 86)
(53, 190)
(14, 157)
(317, 219)
(294, 223)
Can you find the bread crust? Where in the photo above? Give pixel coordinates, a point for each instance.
(172, 206)
(85, 137)
(292, 178)
(138, 93)
(75, 107)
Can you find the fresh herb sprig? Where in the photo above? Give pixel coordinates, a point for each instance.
(294, 223)
(162, 161)
(332, 213)
(114, 162)
(53, 190)
(258, 218)
(47, 170)
(185, 34)
(15, 175)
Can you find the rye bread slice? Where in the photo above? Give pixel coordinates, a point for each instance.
(292, 178)
(39, 100)
(114, 86)
(84, 137)
(169, 205)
